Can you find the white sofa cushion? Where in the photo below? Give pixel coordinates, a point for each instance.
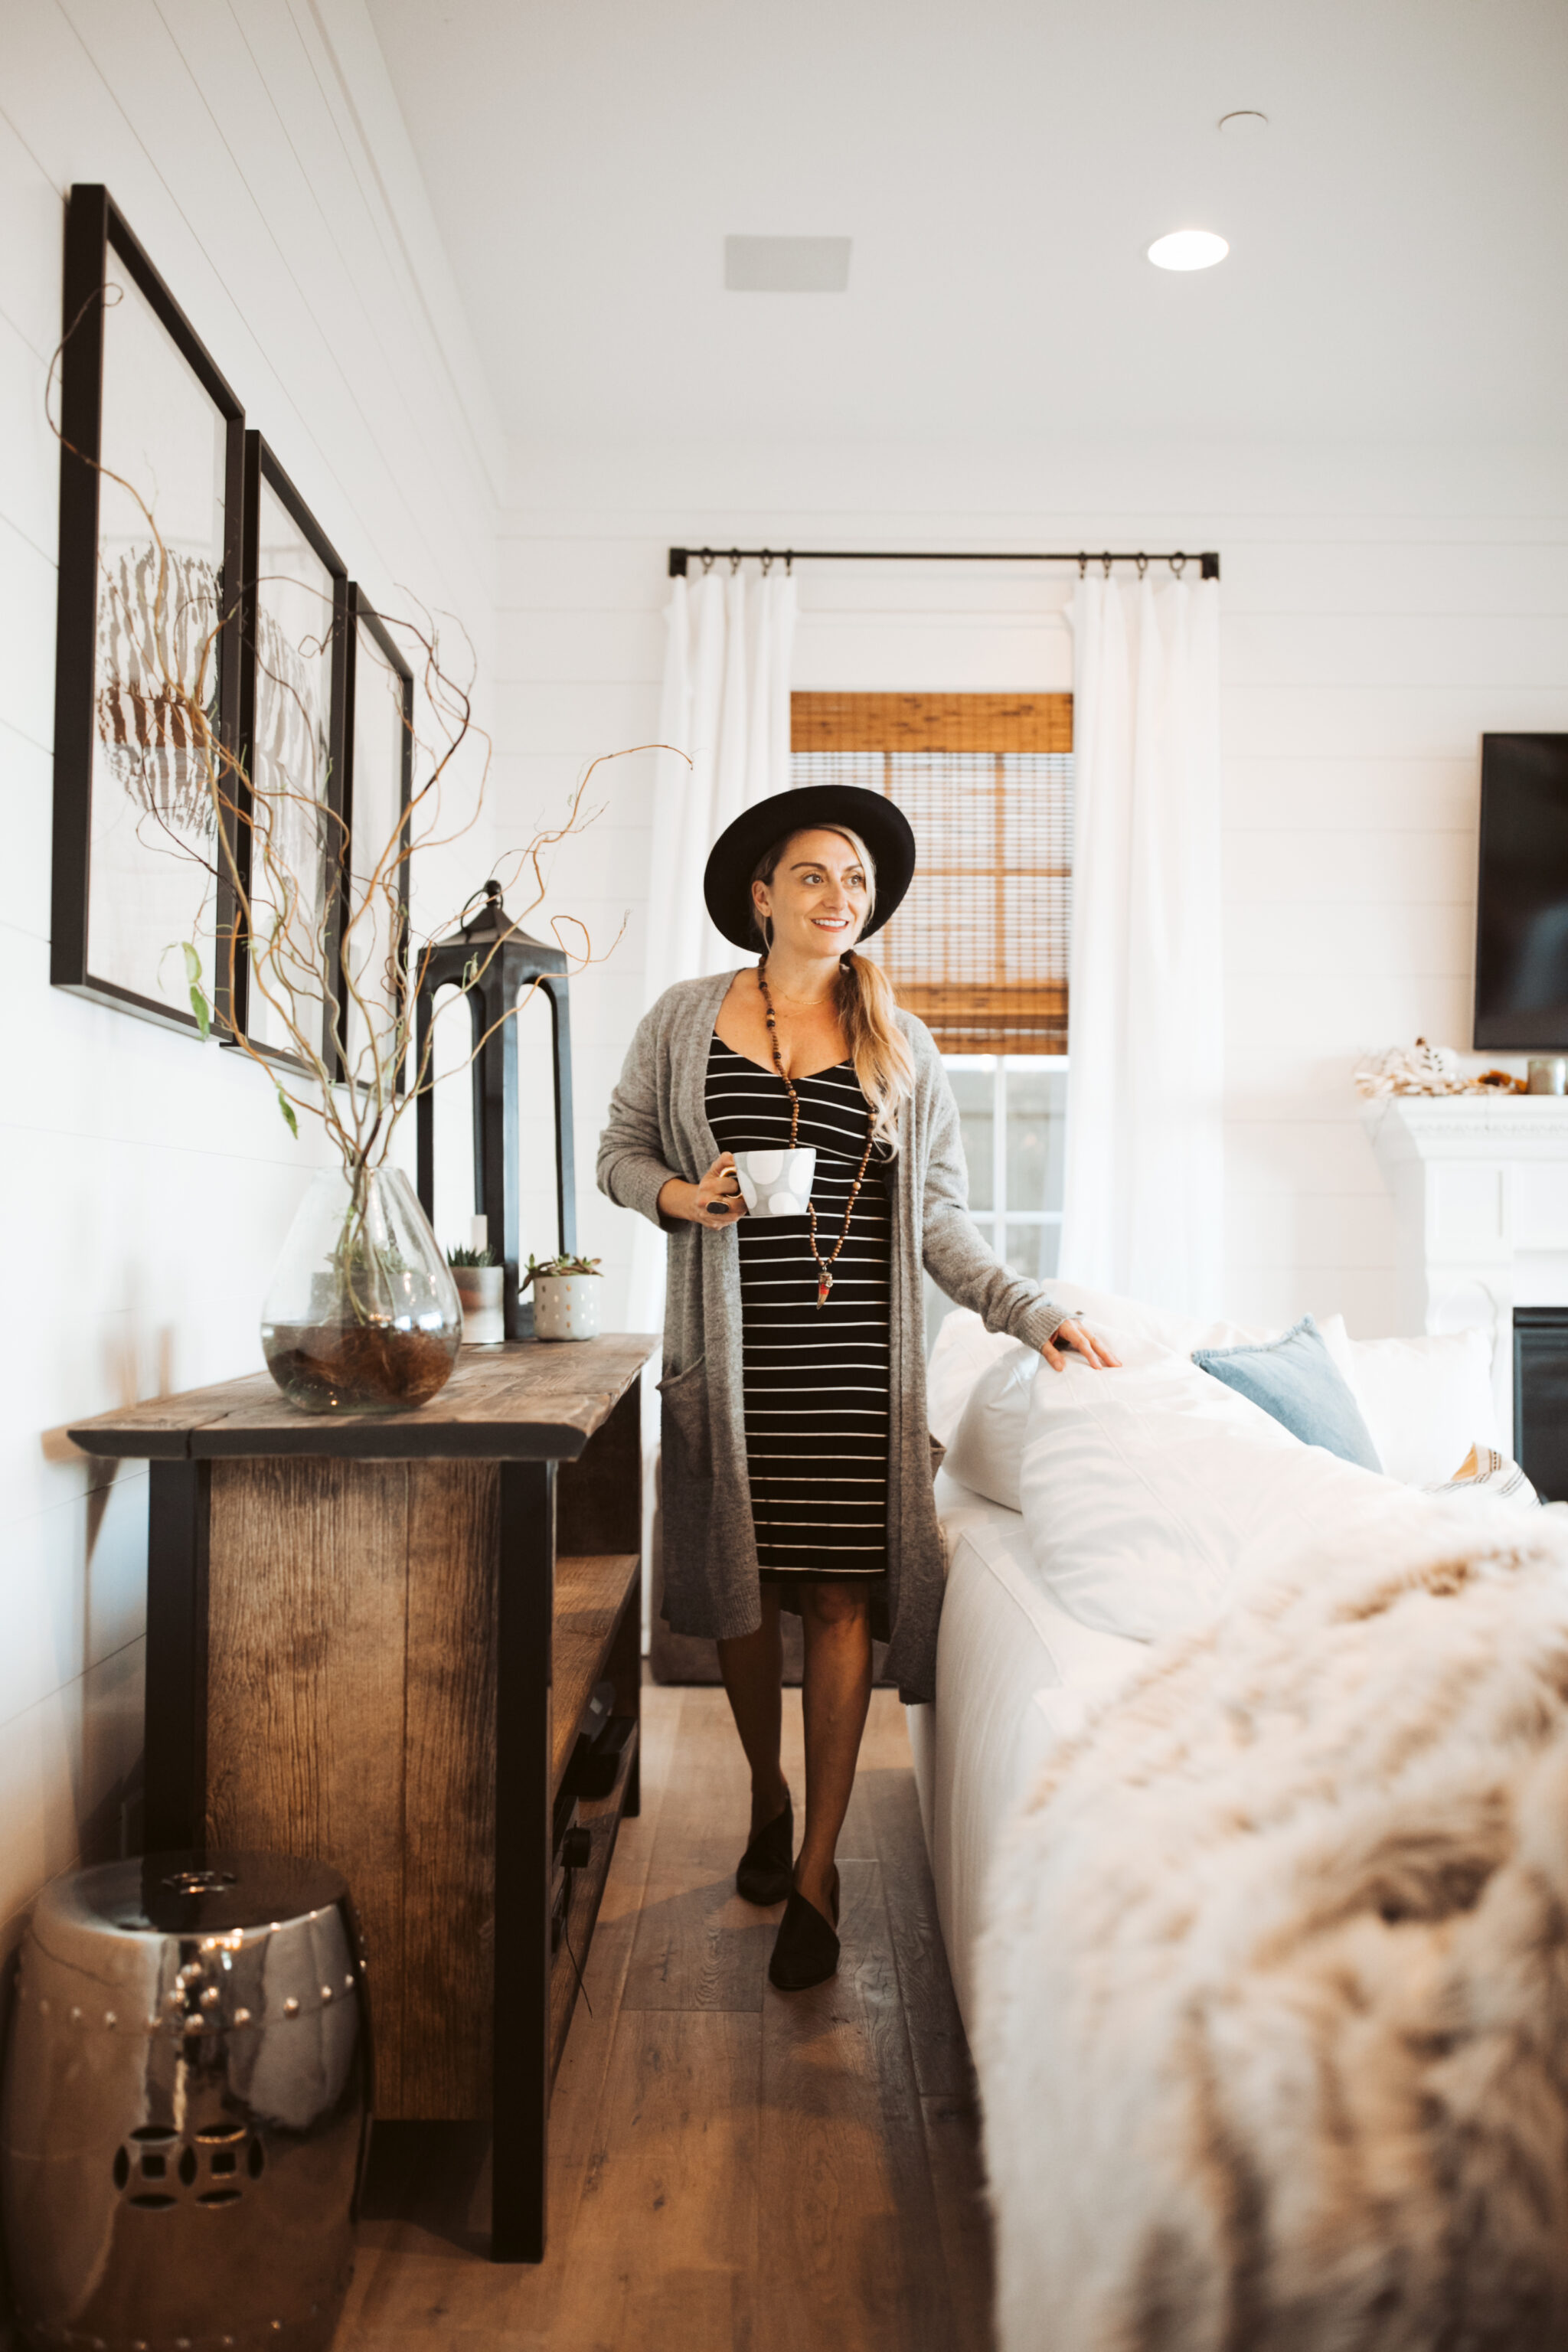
(1139, 1332)
(1426, 1401)
(985, 1435)
(1149, 1494)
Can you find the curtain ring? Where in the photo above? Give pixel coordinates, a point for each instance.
(1178, 564)
(767, 563)
(1106, 561)
(1082, 566)
(734, 562)
(1142, 563)
(707, 562)
(789, 563)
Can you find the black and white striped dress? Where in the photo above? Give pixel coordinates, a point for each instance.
(816, 1377)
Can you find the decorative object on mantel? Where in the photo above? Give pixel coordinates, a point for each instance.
(567, 1292)
(1424, 1069)
(188, 2096)
(478, 1279)
(1548, 1075)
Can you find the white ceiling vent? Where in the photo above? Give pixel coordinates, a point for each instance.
(786, 264)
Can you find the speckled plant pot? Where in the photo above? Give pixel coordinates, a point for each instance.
(566, 1306)
(484, 1308)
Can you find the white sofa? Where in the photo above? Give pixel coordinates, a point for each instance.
(1245, 1789)
(1016, 1670)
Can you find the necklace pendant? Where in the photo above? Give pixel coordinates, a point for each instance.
(824, 1284)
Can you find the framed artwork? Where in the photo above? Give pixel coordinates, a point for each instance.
(294, 630)
(147, 662)
(374, 908)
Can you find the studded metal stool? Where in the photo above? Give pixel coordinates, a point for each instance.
(187, 2106)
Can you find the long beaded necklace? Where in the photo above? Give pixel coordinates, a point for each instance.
(824, 1265)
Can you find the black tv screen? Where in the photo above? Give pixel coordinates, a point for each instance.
(1521, 900)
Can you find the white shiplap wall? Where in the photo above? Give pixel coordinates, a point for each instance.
(1381, 610)
(257, 151)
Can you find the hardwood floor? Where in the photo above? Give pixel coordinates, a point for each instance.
(729, 2167)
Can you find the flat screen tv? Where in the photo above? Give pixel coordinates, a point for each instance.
(1521, 900)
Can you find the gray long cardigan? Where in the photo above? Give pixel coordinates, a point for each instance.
(658, 1129)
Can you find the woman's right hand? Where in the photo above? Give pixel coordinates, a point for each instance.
(715, 1201)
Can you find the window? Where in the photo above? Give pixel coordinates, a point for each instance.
(1012, 1110)
(979, 947)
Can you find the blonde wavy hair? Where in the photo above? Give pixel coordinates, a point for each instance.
(866, 1002)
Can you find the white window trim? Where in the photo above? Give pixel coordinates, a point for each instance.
(996, 1219)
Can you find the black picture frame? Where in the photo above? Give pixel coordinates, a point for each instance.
(378, 790)
(266, 479)
(100, 250)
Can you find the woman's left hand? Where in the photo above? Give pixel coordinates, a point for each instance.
(1082, 1343)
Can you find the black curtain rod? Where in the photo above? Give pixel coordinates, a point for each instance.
(680, 558)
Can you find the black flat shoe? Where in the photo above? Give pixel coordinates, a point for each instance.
(765, 1873)
(805, 1951)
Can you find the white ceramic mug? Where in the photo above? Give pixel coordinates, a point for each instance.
(776, 1183)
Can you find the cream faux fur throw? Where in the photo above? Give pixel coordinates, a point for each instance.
(1273, 2008)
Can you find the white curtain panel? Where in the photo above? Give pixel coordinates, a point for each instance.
(1143, 1211)
(726, 706)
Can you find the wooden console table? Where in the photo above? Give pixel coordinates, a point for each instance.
(373, 1640)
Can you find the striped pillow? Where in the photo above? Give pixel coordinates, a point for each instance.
(1486, 1471)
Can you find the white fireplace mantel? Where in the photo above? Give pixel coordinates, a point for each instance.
(1480, 1190)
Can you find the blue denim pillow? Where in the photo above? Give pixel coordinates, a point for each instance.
(1296, 1379)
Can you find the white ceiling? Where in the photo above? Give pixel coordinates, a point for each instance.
(1399, 234)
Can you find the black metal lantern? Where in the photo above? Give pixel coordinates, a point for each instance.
(493, 962)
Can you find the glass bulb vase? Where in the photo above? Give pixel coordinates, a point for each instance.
(362, 1313)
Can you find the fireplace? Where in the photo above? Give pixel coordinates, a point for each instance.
(1541, 1399)
(1480, 1192)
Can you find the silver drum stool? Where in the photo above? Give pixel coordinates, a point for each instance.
(187, 2106)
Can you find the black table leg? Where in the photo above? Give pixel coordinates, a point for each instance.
(521, 2061)
(175, 1703)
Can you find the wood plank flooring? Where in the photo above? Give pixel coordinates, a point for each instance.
(732, 2170)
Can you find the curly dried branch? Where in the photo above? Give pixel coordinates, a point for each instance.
(323, 948)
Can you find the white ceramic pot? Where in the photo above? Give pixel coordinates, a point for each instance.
(566, 1306)
(484, 1309)
(776, 1183)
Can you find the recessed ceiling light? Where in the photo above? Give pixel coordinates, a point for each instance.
(1243, 121)
(1188, 248)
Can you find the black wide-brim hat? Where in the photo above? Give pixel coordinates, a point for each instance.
(740, 847)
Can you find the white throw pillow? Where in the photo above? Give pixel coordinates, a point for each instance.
(985, 1447)
(1149, 1494)
(986, 1451)
(1426, 1402)
(963, 1349)
(1488, 1477)
(1139, 1333)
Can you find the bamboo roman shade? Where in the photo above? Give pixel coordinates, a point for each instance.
(979, 947)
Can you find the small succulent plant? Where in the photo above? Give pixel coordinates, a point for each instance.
(467, 1256)
(556, 1265)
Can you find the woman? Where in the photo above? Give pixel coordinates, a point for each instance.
(796, 1462)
